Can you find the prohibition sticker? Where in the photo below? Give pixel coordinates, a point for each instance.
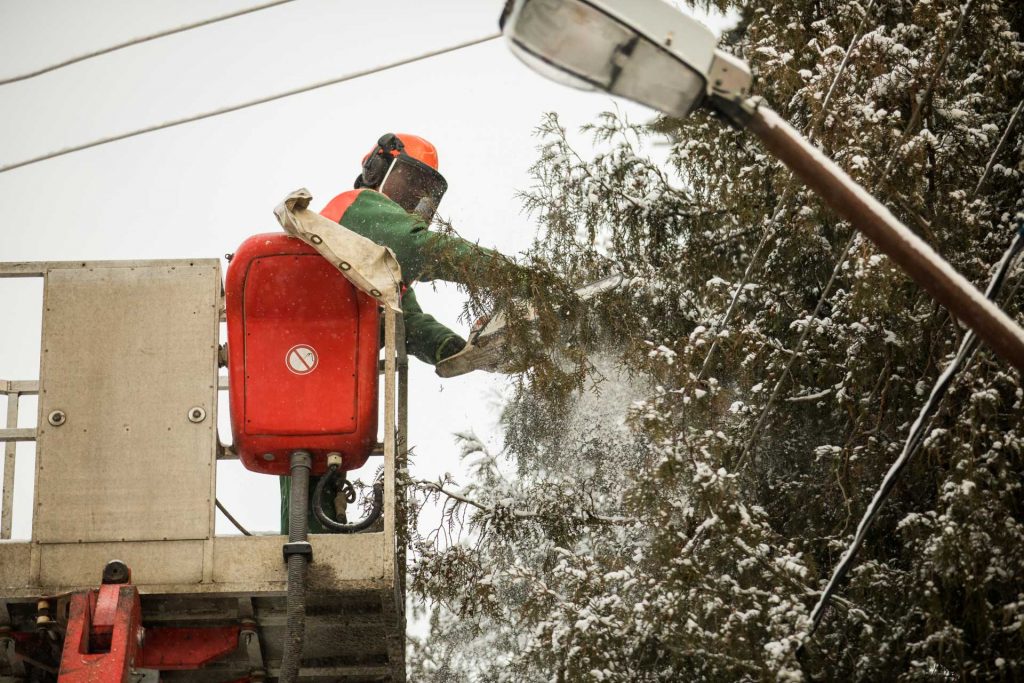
(301, 359)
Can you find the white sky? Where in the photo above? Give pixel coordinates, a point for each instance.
(197, 191)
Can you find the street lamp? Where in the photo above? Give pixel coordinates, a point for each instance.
(646, 51)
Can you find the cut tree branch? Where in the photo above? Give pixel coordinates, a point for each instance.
(437, 487)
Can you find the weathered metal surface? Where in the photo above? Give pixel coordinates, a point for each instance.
(73, 565)
(10, 455)
(42, 268)
(24, 387)
(392, 602)
(390, 378)
(336, 559)
(12, 435)
(347, 636)
(10, 662)
(15, 567)
(241, 565)
(127, 352)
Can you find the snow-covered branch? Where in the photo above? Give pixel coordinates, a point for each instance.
(587, 516)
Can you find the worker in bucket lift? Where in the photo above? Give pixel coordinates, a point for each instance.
(393, 204)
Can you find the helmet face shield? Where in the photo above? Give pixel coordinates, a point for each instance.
(414, 185)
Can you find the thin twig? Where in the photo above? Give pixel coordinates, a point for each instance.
(590, 515)
(842, 67)
(915, 117)
(785, 195)
(999, 147)
(808, 397)
(798, 348)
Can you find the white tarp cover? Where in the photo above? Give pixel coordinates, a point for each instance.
(367, 265)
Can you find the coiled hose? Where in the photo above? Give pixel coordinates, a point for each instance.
(295, 604)
(333, 473)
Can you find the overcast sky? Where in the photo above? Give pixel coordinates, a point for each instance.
(198, 190)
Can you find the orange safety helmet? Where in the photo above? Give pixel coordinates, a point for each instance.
(391, 145)
(404, 167)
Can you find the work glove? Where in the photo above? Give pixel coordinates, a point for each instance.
(449, 347)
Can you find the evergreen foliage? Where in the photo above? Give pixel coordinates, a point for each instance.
(767, 362)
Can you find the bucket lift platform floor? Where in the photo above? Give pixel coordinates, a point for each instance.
(355, 622)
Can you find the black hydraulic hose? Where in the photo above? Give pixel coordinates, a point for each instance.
(295, 605)
(339, 527)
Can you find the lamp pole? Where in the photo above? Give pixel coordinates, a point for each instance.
(926, 267)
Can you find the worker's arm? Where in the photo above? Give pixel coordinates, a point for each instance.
(424, 255)
(425, 337)
(453, 259)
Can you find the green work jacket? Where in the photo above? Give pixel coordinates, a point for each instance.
(423, 255)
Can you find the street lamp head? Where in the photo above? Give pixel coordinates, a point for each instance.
(643, 50)
(646, 51)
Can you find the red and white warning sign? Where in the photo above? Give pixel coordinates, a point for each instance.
(301, 359)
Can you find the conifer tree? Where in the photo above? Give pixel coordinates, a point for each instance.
(681, 476)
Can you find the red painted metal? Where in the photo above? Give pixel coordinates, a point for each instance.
(180, 649)
(106, 655)
(303, 345)
(104, 606)
(104, 639)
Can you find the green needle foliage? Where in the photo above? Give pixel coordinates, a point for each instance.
(690, 454)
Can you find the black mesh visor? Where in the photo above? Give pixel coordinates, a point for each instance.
(415, 186)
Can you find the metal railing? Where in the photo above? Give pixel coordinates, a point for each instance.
(11, 435)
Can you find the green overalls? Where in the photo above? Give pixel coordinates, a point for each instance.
(374, 216)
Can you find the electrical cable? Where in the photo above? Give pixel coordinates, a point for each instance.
(915, 437)
(140, 40)
(250, 103)
(231, 518)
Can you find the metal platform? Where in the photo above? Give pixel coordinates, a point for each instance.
(126, 450)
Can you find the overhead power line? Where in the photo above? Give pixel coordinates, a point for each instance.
(915, 437)
(246, 105)
(138, 41)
